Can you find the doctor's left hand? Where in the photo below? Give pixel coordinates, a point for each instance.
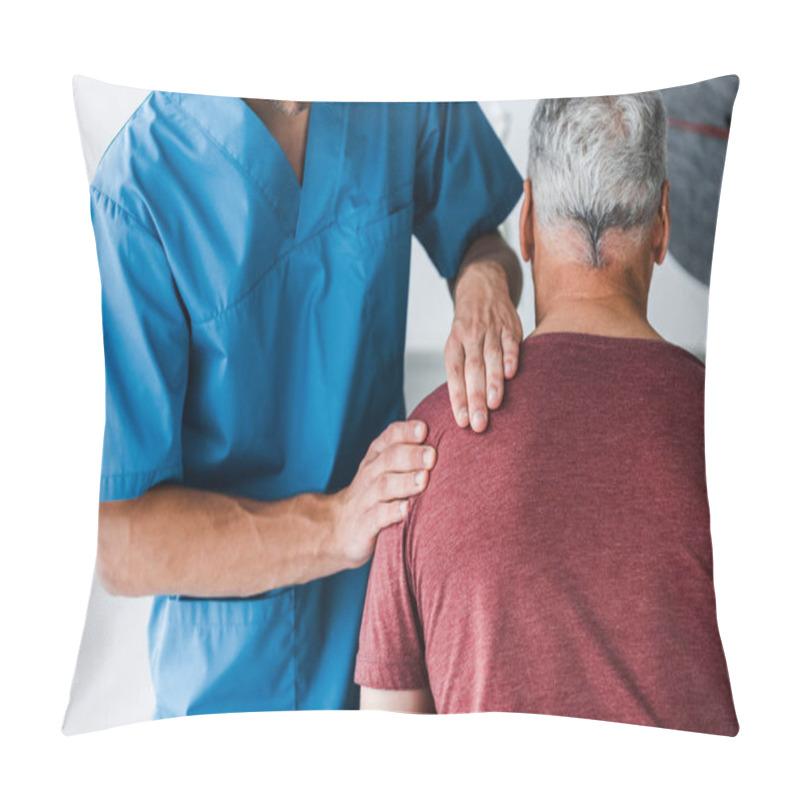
(482, 350)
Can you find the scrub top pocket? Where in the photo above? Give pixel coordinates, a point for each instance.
(252, 640)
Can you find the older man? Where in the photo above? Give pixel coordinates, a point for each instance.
(561, 563)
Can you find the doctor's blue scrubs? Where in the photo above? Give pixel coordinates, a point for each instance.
(254, 333)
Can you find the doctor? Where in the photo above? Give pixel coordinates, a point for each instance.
(254, 260)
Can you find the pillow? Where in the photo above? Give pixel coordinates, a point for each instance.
(229, 336)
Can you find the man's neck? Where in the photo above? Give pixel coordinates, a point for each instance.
(612, 315)
(604, 301)
(290, 131)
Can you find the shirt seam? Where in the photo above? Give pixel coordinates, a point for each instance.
(127, 214)
(232, 307)
(604, 342)
(366, 660)
(228, 155)
(104, 476)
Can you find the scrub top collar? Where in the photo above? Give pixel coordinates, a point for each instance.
(238, 132)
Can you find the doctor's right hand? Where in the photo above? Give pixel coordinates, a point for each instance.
(396, 467)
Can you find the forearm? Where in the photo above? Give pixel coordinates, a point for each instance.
(496, 259)
(176, 540)
(409, 701)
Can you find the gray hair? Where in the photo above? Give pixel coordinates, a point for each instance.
(598, 163)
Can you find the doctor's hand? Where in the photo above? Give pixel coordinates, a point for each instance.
(482, 350)
(396, 467)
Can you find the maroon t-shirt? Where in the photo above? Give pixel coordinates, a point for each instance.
(560, 563)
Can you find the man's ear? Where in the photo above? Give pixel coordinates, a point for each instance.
(661, 240)
(526, 222)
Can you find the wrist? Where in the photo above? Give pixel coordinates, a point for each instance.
(311, 523)
(483, 275)
(330, 512)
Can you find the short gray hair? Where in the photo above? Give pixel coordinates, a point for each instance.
(598, 163)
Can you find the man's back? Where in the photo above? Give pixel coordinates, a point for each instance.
(561, 563)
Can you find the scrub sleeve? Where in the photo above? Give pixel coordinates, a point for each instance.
(146, 344)
(465, 184)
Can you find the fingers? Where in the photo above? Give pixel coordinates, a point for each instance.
(456, 387)
(475, 379)
(404, 458)
(493, 359)
(398, 485)
(396, 468)
(386, 514)
(476, 373)
(510, 342)
(400, 470)
(397, 432)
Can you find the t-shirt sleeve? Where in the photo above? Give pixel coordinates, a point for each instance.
(465, 184)
(391, 653)
(146, 345)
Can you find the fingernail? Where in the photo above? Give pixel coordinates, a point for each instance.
(492, 395)
(419, 478)
(509, 367)
(463, 416)
(419, 431)
(478, 418)
(404, 507)
(427, 459)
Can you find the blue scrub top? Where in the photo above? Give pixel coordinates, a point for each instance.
(254, 333)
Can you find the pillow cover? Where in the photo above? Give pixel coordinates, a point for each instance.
(254, 314)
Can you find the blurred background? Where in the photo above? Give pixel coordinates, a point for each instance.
(112, 678)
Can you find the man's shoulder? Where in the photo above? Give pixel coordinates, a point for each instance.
(134, 168)
(134, 153)
(435, 411)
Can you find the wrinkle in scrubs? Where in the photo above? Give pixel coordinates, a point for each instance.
(254, 333)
